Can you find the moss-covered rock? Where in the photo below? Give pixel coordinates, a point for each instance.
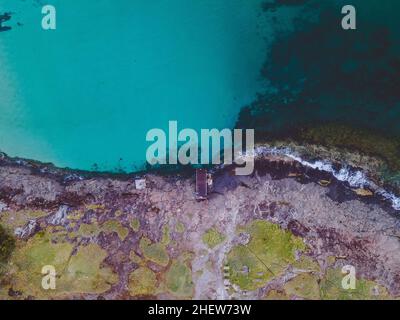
(91, 230)
(77, 273)
(135, 224)
(178, 279)
(142, 282)
(213, 238)
(87, 230)
(15, 219)
(331, 288)
(155, 252)
(7, 245)
(180, 227)
(115, 226)
(166, 237)
(266, 256)
(276, 295)
(305, 285)
(85, 273)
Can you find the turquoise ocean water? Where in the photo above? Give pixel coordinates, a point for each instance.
(88, 92)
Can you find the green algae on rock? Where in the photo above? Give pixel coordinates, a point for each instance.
(15, 219)
(76, 273)
(7, 245)
(166, 237)
(275, 262)
(155, 252)
(180, 227)
(331, 288)
(29, 258)
(91, 230)
(213, 238)
(85, 273)
(178, 279)
(142, 282)
(135, 224)
(268, 253)
(111, 226)
(276, 295)
(305, 285)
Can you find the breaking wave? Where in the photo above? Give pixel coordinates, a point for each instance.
(354, 177)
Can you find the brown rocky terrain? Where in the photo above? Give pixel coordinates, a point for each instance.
(284, 232)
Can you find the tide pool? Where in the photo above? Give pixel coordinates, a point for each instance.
(85, 95)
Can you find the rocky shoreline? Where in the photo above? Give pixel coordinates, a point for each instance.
(279, 162)
(189, 249)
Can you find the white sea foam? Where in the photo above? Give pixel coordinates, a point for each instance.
(355, 178)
